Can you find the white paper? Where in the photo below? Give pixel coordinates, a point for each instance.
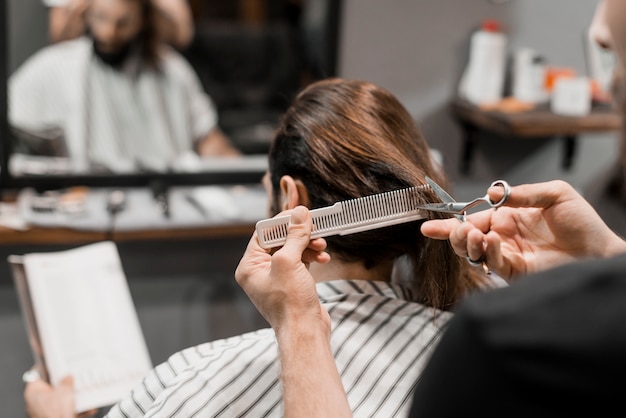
(87, 322)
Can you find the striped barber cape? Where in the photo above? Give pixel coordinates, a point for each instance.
(380, 340)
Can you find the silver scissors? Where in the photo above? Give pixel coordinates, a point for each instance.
(459, 209)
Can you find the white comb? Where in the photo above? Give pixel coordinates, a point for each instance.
(350, 216)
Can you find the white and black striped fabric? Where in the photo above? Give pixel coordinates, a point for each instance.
(380, 341)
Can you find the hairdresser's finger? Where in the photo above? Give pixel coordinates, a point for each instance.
(538, 195)
(320, 257)
(442, 228)
(317, 244)
(298, 234)
(494, 257)
(255, 246)
(459, 240)
(315, 252)
(475, 244)
(439, 228)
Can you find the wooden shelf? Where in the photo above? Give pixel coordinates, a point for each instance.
(537, 123)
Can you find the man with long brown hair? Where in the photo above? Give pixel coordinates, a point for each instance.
(125, 101)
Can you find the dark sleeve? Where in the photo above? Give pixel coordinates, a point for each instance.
(551, 345)
(459, 370)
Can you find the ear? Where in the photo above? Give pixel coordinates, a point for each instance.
(292, 193)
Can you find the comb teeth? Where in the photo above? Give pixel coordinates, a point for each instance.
(350, 216)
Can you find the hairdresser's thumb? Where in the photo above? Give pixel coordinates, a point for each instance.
(299, 230)
(67, 382)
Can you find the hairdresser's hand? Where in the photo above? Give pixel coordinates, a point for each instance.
(174, 22)
(68, 21)
(283, 290)
(46, 401)
(279, 283)
(542, 226)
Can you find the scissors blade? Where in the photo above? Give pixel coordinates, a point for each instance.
(442, 194)
(439, 207)
(445, 198)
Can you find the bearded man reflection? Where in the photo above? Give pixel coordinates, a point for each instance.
(124, 101)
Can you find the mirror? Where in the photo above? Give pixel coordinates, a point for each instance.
(76, 124)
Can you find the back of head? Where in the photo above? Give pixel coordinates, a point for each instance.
(346, 139)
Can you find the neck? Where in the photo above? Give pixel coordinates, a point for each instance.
(335, 270)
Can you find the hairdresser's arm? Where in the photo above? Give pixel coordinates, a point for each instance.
(283, 290)
(175, 22)
(311, 383)
(543, 225)
(67, 22)
(217, 144)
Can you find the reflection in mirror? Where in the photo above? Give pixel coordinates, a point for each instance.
(121, 99)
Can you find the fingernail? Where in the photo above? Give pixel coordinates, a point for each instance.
(298, 215)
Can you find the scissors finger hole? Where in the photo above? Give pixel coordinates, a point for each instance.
(505, 196)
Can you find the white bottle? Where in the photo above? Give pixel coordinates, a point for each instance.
(522, 75)
(529, 77)
(483, 79)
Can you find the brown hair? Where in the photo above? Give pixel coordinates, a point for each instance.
(148, 37)
(346, 139)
